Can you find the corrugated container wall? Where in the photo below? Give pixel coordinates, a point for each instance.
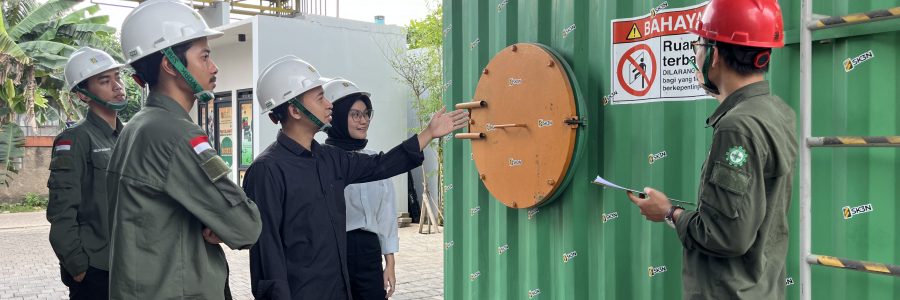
(611, 259)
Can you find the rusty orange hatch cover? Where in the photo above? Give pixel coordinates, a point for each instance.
(524, 123)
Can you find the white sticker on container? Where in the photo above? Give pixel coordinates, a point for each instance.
(851, 63)
(568, 30)
(447, 85)
(473, 211)
(544, 123)
(502, 5)
(609, 98)
(656, 9)
(653, 271)
(655, 157)
(609, 217)
(849, 212)
(514, 162)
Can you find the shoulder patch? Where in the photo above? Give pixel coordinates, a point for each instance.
(200, 143)
(61, 163)
(62, 145)
(215, 168)
(736, 156)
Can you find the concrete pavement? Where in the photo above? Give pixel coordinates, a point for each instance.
(30, 270)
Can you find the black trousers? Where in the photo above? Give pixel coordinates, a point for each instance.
(94, 286)
(364, 265)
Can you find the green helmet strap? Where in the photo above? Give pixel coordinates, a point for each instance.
(322, 125)
(113, 106)
(707, 63)
(201, 95)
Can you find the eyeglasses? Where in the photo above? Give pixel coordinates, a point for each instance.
(699, 43)
(360, 115)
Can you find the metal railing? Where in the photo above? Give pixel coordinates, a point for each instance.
(267, 7)
(807, 258)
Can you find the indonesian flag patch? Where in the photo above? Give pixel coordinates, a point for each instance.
(63, 145)
(200, 144)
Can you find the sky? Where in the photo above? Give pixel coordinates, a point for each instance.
(396, 12)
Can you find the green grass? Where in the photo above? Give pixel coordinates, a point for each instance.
(32, 202)
(18, 208)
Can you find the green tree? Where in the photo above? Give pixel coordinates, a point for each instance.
(420, 68)
(427, 32)
(36, 39)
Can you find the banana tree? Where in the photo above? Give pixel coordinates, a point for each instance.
(36, 38)
(11, 142)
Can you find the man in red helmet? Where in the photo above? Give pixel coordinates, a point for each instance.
(735, 243)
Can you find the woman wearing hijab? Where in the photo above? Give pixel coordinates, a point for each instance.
(371, 212)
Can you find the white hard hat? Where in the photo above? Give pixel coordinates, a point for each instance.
(86, 62)
(158, 24)
(339, 88)
(284, 79)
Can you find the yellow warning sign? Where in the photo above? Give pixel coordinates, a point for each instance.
(634, 33)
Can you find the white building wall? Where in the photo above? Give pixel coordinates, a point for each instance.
(337, 48)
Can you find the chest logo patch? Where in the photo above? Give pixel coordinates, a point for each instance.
(736, 156)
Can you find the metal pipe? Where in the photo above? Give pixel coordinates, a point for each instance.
(805, 131)
(469, 136)
(261, 8)
(854, 141)
(856, 265)
(471, 105)
(866, 17)
(508, 125)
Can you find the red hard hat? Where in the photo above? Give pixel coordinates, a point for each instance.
(754, 23)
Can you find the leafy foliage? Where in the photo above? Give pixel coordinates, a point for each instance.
(11, 142)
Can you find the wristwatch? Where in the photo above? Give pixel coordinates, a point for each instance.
(670, 216)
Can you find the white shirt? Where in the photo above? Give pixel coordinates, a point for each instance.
(371, 207)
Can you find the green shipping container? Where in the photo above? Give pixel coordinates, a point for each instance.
(565, 250)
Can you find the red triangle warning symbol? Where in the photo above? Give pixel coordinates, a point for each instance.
(634, 33)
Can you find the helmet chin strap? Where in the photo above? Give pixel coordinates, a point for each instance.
(321, 125)
(113, 106)
(202, 95)
(707, 85)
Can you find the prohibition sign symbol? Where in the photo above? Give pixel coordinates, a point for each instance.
(643, 72)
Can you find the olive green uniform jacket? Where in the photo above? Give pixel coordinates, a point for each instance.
(77, 210)
(166, 185)
(736, 242)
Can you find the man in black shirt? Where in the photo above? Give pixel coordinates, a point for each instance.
(299, 184)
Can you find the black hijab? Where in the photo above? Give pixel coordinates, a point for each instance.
(339, 134)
